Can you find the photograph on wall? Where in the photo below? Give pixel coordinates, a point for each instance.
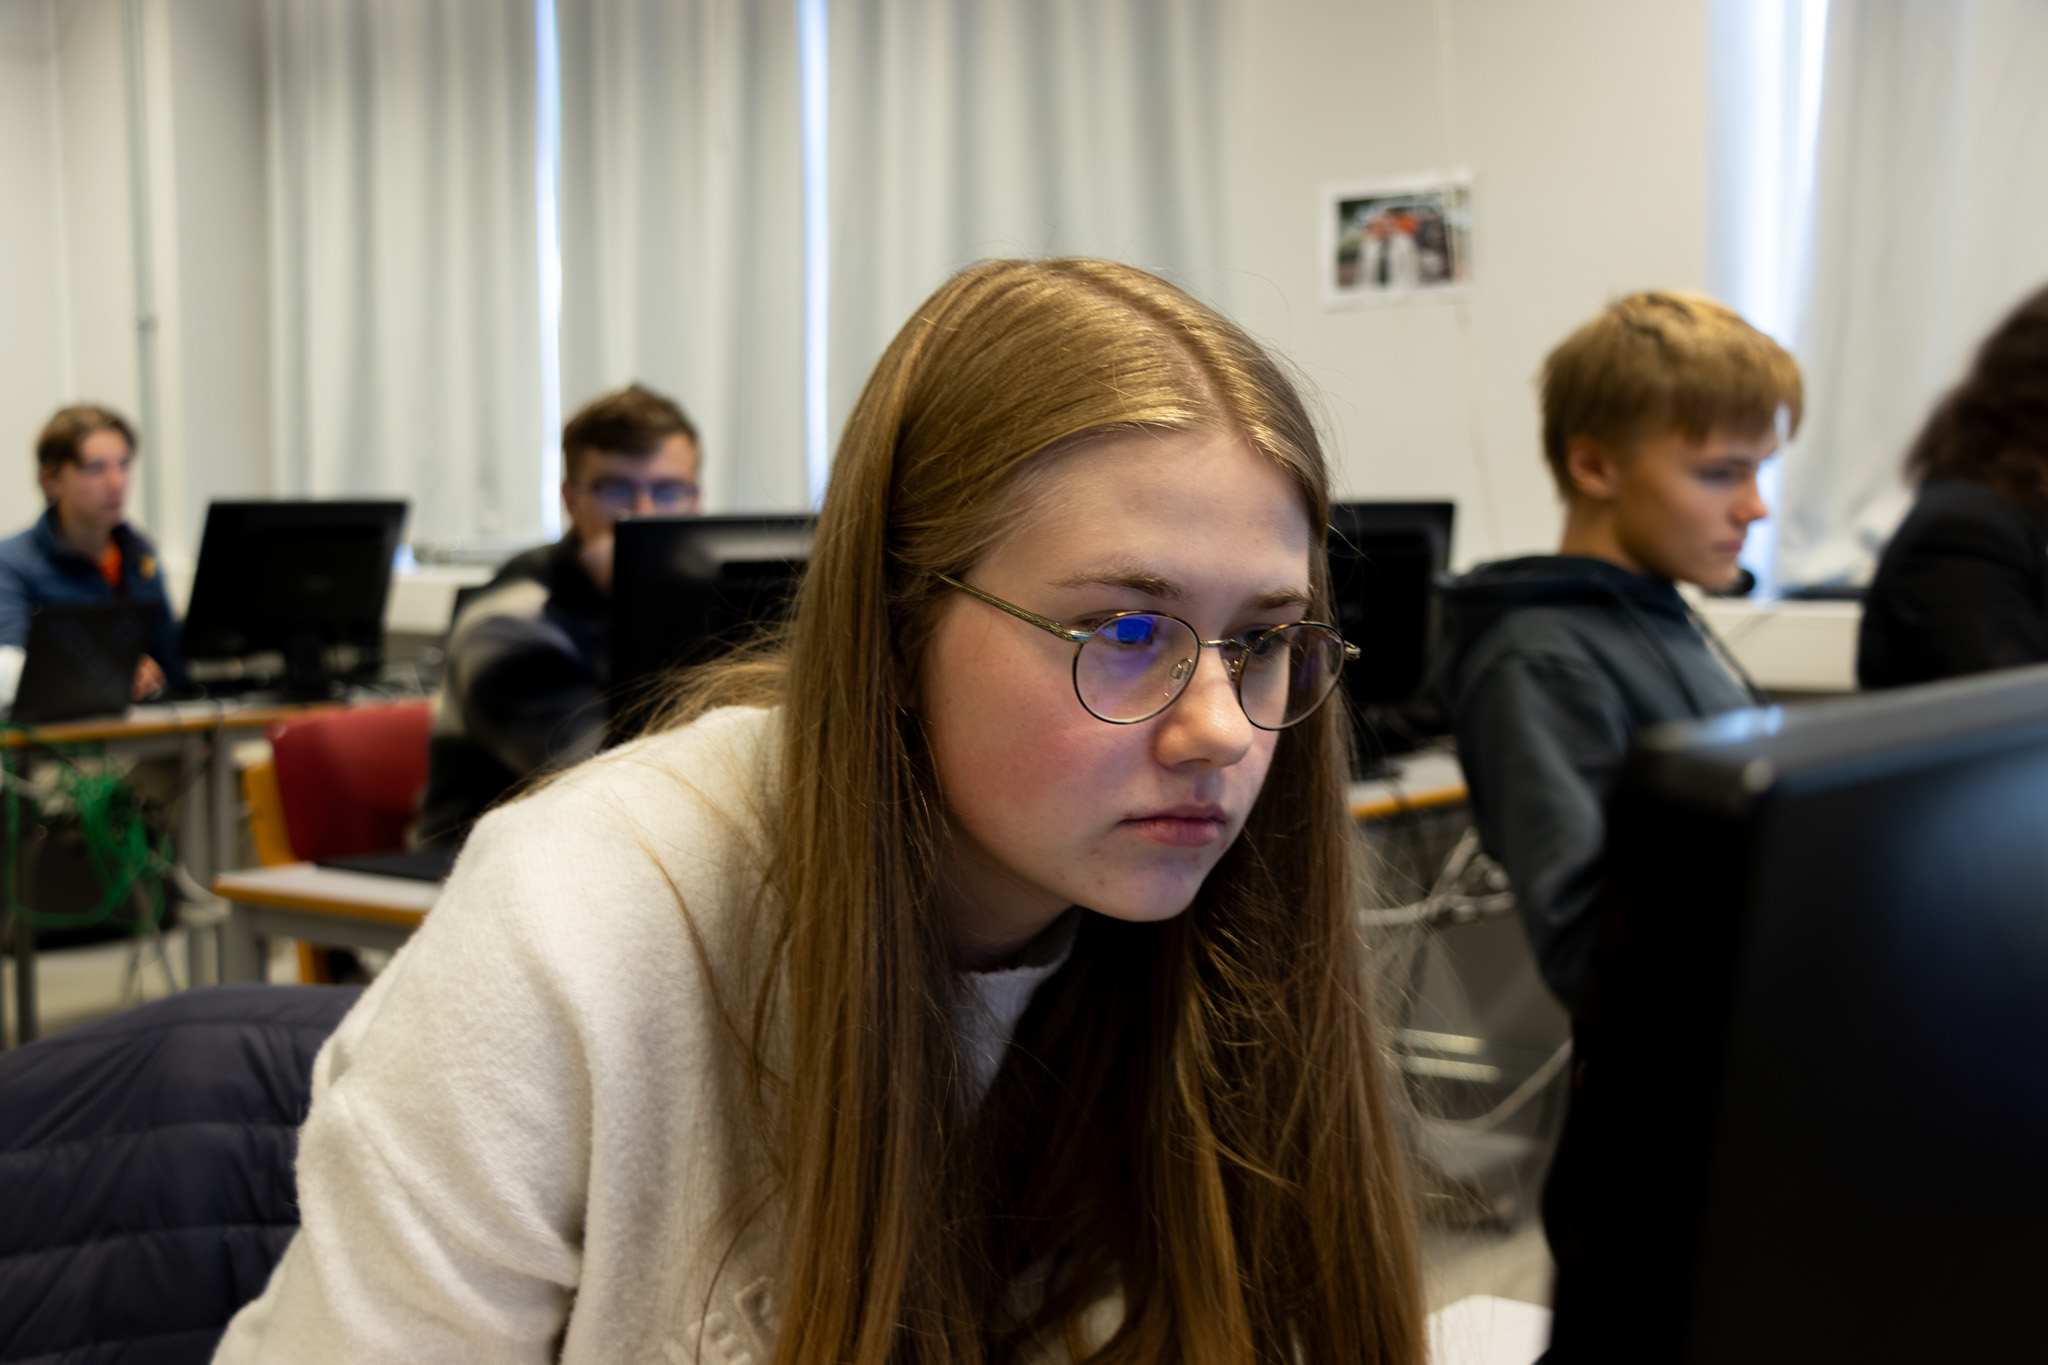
(1397, 240)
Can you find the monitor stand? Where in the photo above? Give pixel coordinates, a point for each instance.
(307, 676)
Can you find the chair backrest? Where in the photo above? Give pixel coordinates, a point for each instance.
(350, 780)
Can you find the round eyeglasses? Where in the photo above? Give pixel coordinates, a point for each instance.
(1133, 665)
(620, 496)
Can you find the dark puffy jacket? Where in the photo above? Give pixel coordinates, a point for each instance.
(146, 1184)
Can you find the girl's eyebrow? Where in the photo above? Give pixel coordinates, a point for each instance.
(1136, 580)
(1166, 590)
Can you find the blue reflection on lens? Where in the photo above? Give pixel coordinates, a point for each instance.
(1132, 630)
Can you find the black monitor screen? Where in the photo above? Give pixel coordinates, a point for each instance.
(298, 579)
(687, 589)
(1813, 1119)
(1385, 559)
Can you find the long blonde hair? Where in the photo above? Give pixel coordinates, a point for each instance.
(1194, 1113)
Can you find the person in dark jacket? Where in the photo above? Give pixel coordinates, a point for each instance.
(529, 657)
(1656, 417)
(82, 548)
(1963, 585)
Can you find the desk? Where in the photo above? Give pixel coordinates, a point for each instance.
(200, 734)
(1421, 781)
(321, 905)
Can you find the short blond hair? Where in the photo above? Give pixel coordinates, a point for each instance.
(1664, 361)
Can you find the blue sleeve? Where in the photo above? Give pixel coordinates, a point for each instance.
(1541, 740)
(15, 603)
(163, 645)
(163, 627)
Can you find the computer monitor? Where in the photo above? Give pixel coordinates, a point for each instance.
(1812, 1122)
(291, 593)
(1386, 559)
(687, 589)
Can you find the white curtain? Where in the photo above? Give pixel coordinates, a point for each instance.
(1931, 221)
(682, 226)
(966, 129)
(406, 266)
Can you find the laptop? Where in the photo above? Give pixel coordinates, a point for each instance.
(80, 660)
(430, 864)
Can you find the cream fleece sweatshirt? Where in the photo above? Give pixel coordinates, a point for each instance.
(531, 1140)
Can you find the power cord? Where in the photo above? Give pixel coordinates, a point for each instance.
(1452, 898)
(115, 830)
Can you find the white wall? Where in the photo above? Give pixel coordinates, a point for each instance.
(32, 346)
(69, 285)
(1584, 124)
(209, 185)
(98, 255)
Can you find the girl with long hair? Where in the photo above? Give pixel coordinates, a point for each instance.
(967, 976)
(1962, 586)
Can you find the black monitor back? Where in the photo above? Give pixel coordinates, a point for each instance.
(1385, 560)
(687, 589)
(306, 580)
(1812, 1122)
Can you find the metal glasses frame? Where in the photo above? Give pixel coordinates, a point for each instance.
(1079, 639)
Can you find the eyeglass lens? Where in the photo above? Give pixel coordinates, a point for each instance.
(621, 493)
(1134, 665)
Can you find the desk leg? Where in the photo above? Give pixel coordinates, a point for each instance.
(219, 844)
(195, 779)
(224, 817)
(195, 850)
(243, 954)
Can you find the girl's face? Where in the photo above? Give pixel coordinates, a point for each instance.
(1049, 806)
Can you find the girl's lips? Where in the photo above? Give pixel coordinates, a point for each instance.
(1187, 826)
(1177, 831)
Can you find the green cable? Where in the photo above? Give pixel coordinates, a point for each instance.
(117, 845)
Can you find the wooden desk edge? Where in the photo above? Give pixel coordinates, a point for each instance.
(1380, 807)
(198, 722)
(229, 888)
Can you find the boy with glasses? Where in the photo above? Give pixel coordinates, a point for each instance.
(529, 657)
(1657, 415)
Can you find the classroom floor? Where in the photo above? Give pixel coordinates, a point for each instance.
(76, 986)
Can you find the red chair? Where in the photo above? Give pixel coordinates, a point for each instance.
(343, 782)
(350, 780)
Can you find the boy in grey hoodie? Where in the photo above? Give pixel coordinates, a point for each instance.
(1656, 417)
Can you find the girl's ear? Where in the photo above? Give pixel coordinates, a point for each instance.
(1591, 465)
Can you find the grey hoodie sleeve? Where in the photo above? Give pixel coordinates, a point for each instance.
(1541, 739)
